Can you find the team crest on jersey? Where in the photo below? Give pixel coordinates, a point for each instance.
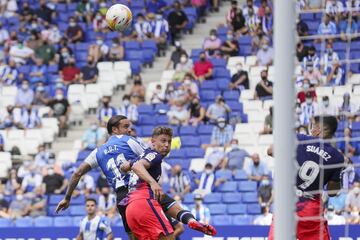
(150, 156)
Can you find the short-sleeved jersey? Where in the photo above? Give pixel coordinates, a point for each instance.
(112, 154)
(317, 159)
(95, 229)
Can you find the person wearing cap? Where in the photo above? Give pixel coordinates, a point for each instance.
(142, 28)
(203, 69)
(177, 21)
(176, 55)
(221, 134)
(211, 43)
(217, 110)
(201, 212)
(308, 109)
(326, 108)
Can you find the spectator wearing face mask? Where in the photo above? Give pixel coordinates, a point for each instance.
(25, 95)
(217, 110)
(183, 67)
(334, 8)
(41, 96)
(196, 112)
(60, 108)
(238, 24)
(98, 51)
(38, 72)
(129, 109)
(70, 73)
(107, 203)
(326, 108)
(207, 182)
(89, 73)
(65, 54)
(335, 76)
(349, 29)
(54, 183)
(179, 182)
(221, 134)
(230, 48)
(31, 180)
(265, 195)
(19, 206)
(43, 158)
(211, 43)
(178, 115)
(27, 117)
(333, 218)
(106, 111)
(190, 87)
(176, 55)
(177, 21)
(240, 80)
(203, 69)
(311, 59)
(9, 74)
(268, 124)
(160, 30)
(313, 74)
(99, 23)
(138, 90)
(308, 109)
(249, 6)
(142, 28)
(235, 158)
(74, 33)
(252, 22)
(201, 213)
(353, 198)
(21, 53)
(4, 35)
(328, 58)
(93, 137)
(257, 169)
(267, 22)
(116, 52)
(265, 218)
(265, 55)
(347, 109)
(158, 96)
(264, 89)
(231, 14)
(86, 186)
(306, 87)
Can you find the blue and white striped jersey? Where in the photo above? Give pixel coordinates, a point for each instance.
(95, 229)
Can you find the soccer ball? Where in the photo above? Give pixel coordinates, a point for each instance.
(118, 17)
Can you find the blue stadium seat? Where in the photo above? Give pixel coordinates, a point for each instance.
(71, 7)
(234, 209)
(55, 199)
(240, 175)
(205, 139)
(54, 68)
(223, 173)
(254, 209)
(77, 210)
(250, 197)
(147, 120)
(247, 186)
(195, 52)
(146, 131)
(222, 30)
(355, 126)
(235, 106)
(208, 95)
(135, 66)
(61, 7)
(161, 108)
(188, 199)
(355, 45)
(218, 62)
(242, 220)
(4, 222)
(231, 95)
(194, 152)
(205, 129)
(217, 209)
(212, 198)
(149, 44)
(24, 69)
(149, 56)
(132, 45)
(82, 47)
(208, 85)
(184, 163)
(43, 221)
(222, 220)
(81, 56)
(162, 120)
(63, 222)
(190, 11)
(77, 220)
(79, 200)
(24, 222)
(132, 55)
(177, 153)
(117, 222)
(244, 40)
(82, 155)
(228, 187)
(51, 211)
(231, 197)
(190, 141)
(145, 109)
(222, 83)
(187, 130)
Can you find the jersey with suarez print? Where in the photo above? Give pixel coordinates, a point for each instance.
(112, 154)
(140, 189)
(310, 157)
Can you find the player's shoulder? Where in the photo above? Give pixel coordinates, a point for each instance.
(303, 137)
(150, 154)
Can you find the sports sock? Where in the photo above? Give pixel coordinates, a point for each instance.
(184, 216)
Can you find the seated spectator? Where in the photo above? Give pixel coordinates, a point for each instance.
(7, 118)
(252, 22)
(70, 73)
(338, 201)
(230, 48)
(129, 109)
(89, 73)
(54, 183)
(99, 23)
(201, 212)
(170, 93)
(183, 67)
(334, 9)
(301, 27)
(46, 53)
(265, 192)
(21, 53)
(353, 217)
(347, 108)
(353, 198)
(217, 110)
(190, 87)
(265, 55)
(13, 183)
(196, 112)
(84, 11)
(179, 182)
(158, 95)
(329, 58)
(348, 146)
(231, 14)
(212, 43)
(257, 170)
(138, 89)
(313, 74)
(238, 24)
(207, 182)
(235, 158)
(19, 206)
(74, 33)
(311, 59)
(4, 35)
(160, 31)
(249, 5)
(348, 29)
(155, 6)
(177, 21)
(4, 205)
(60, 109)
(93, 137)
(327, 27)
(333, 218)
(38, 203)
(335, 76)
(306, 87)
(116, 51)
(142, 28)
(26, 117)
(267, 21)
(98, 51)
(9, 74)
(38, 72)
(86, 186)
(10, 9)
(1, 141)
(265, 219)
(178, 114)
(176, 55)
(107, 203)
(44, 12)
(308, 109)
(268, 124)
(106, 111)
(31, 180)
(25, 95)
(65, 54)
(43, 158)
(221, 134)
(326, 108)
(54, 34)
(264, 89)
(41, 96)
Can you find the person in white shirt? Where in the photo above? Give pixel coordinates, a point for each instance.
(265, 218)
(4, 34)
(20, 53)
(107, 203)
(94, 227)
(265, 55)
(129, 109)
(352, 6)
(328, 58)
(307, 109)
(158, 95)
(85, 186)
(334, 8)
(142, 27)
(11, 8)
(333, 218)
(249, 4)
(31, 180)
(99, 50)
(201, 213)
(326, 108)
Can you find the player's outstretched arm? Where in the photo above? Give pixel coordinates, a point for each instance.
(75, 178)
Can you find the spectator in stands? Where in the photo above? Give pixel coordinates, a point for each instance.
(107, 203)
(252, 24)
(240, 80)
(308, 109)
(257, 169)
(262, 7)
(221, 134)
(26, 12)
(74, 33)
(106, 111)
(235, 158)
(265, 55)
(38, 204)
(248, 7)
(335, 76)
(60, 108)
(264, 89)
(327, 27)
(84, 11)
(176, 55)
(4, 35)
(265, 219)
(268, 124)
(177, 21)
(13, 182)
(9, 74)
(348, 28)
(201, 213)
(334, 9)
(54, 34)
(230, 48)
(7, 118)
(116, 52)
(347, 109)
(353, 198)
(99, 23)
(211, 43)
(203, 69)
(313, 74)
(328, 58)
(207, 182)
(19, 206)
(138, 89)
(99, 51)
(86, 186)
(197, 112)
(4, 205)
(41, 96)
(89, 73)
(54, 183)
(21, 53)
(155, 6)
(33, 39)
(301, 27)
(43, 158)
(267, 22)
(332, 217)
(238, 24)
(37, 72)
(231, 14)
(65, 54)
(129, 109)
(27, 117)
(326, 108)
(348, 147)
(311, 59)
(10, 8)
(142, 28)
(183, 67)
(93, 137)
(200, 6)
(158, 95)
(217, 110)
(2, 142)
(25, 95)
(178, 114)
(70, 73)
(46, 53)
(179, 182)
(31, 180)
(44, 12)
(306, 87)
(160, 30)
(265, 195)
(190, 87)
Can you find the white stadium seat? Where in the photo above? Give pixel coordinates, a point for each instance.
(94, 89)
(265, 140)
(50, 123)
(34, 134)
(324, 91)
(253, 105)
(167, 75)
(197, 164)
(341, 90)
(9, 91)
(5, 163)
(120, 77)
(267, 104)
(256, 117)
(48, 134)
(15, 134)
(67, 156)
(106, 88)
(250, 60)
(123, 66)
(42, 111)
(247, 94)
(30, 146)
(242, 128)
(245, 139)
(357, 90)
(105, 66)
(77, 144)
(75, 92)
(354, 79)
(233, 61)
(7, 101)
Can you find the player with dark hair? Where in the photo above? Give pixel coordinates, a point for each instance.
(320, 167)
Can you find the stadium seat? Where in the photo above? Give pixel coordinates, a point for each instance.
(208, 85)
(250, 197)
(43, 221)
(194, 152)
(197, 165)
(4, 222)
(147, 120)
(222, 220)
(247, 186)
(177, 153)
(190, 141)
(105, 66)
(231, 95)
(162, 120)
(218, 62)
(222, 82)
(240, 220)
(205, 129)
(63, 222)
(231, 197)
(240, 175)
(79, 200)
(132, 45)
(55, 199)
(24, 222)
(5, 163)
(223, 173)
(254, 209)
(187, 130)
(146, 131)
(205, 139)
(145, 109)
(234, 209)
(77, 220)
(188, 199)
(228, 187)
(212, 198)
(235, 106)
(51, 211)
(77, 210)
(82, 155)
(208, 95)
(217, 209)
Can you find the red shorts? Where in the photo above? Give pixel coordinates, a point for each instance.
(147, 220)
(308, 229)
